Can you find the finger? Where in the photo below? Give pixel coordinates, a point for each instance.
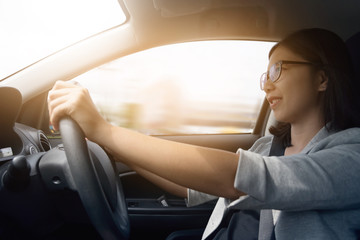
(61, 110)
(59, 89)
(65, 101)
(65, 84)
(56, 102)
(71, 92)
(59, 92)
(56, 97)
(60, 104)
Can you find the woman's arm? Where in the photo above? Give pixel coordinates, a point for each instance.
(207, 170)
(168, 186)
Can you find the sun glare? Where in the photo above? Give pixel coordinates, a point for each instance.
(31, 30)
(197, 87)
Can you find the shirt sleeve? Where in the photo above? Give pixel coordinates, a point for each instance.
(325, 178)
(195, 198)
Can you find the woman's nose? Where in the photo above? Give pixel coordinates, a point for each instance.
(268, 86)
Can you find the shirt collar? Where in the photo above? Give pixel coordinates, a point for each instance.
(323, 133)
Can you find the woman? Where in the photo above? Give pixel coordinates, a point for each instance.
(311, 179)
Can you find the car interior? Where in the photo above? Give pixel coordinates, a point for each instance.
(60, 186)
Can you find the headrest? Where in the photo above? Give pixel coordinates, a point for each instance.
(353, 44)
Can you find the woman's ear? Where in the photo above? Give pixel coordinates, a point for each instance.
(322, 81)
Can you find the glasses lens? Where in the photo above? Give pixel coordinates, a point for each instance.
(275, 71)
(273, 74)
(263, 80)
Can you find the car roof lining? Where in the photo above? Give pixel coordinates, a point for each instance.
(269, 20)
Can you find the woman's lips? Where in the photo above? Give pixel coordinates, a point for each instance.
(274, 101)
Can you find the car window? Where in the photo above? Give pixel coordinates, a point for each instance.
(204, 87)
(32, 30)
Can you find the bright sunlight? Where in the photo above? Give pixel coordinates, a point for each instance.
(42, 27)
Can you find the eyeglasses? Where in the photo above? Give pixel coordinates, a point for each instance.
(275, 71)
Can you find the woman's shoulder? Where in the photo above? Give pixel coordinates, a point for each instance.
(351, 135)
(347, 137)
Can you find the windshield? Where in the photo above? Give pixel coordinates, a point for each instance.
(32, 30)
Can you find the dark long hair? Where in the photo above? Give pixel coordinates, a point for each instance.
(330, 54)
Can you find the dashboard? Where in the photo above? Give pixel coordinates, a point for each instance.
(16, 138)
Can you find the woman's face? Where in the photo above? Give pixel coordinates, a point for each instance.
(295, 96)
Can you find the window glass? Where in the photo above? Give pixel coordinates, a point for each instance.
(32, 30)
(204, 87)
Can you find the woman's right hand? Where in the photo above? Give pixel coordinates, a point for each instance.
(68, 99)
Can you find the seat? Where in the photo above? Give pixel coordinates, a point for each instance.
(353, 45)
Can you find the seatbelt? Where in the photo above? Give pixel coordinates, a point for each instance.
(266, 226)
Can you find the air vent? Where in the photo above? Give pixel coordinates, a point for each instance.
(44, 142)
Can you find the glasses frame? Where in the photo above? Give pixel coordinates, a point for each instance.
(266, 75)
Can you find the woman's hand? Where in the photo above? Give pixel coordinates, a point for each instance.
(68, 99)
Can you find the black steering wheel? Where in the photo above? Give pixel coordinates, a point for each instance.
(98, 185)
